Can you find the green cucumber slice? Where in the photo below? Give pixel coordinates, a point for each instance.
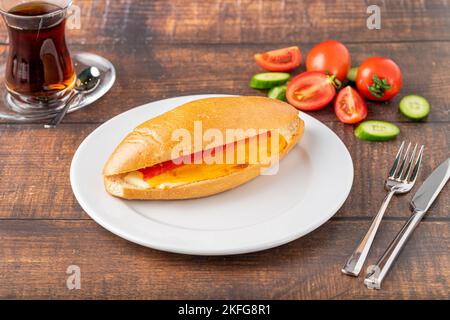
(414, 107)
(278, 93)
(268, 80)
(374, 130)
(351, 75)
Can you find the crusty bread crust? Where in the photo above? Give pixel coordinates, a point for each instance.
(247, 112)
(151, 142)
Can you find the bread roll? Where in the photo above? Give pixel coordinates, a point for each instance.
(152, 143)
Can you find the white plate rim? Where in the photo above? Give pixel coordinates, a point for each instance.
(347, 185)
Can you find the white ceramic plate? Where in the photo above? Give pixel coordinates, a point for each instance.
(313, 182)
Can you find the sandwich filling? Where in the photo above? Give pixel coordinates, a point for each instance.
(209, 164)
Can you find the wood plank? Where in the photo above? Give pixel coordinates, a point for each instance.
(249, 21)
(34, 256)
(34, 171)
(148, 73)
(166, 48)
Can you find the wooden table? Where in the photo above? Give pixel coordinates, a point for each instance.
(170, 48)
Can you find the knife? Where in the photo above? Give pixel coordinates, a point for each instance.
(420, 204)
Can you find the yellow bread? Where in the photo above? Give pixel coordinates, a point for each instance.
(151, 143)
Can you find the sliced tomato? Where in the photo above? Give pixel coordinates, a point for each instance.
(158, 169)
(279, 60)
(350, 106)
(310, 91)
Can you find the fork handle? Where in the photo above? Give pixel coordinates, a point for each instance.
(356, 261)
(377, 273)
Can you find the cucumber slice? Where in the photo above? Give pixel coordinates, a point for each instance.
(351, 75)
(278, 93)
(268, 80)
(414, 107)
(374, 130)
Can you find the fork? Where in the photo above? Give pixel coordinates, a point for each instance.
(401, 179)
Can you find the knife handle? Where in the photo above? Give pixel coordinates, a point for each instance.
(377, 273)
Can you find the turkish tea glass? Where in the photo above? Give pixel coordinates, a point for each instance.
(39, 71)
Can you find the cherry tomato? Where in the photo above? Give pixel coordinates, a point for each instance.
(279, 60)
(330, 57)
(350, 106)
(310, 91)
(379, 79)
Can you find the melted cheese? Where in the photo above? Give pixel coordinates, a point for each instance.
(211, 168)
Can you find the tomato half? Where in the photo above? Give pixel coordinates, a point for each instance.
(330, 57)
(379, 79)
(350, 106)
(310, 91)
(279, 60)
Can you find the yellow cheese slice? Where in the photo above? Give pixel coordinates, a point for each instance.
(257, 151)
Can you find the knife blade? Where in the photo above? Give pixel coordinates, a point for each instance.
(430, 189)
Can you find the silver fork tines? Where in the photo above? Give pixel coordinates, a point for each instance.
(396, 161)
(408, 168)
(401, 179)
(402, 167)
(415, 170)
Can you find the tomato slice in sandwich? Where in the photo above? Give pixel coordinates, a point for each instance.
(158, 169)
(310, 91)
(163, 167)
(181, 168)
(279, 60)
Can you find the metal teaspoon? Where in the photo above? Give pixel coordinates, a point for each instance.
(87, 81)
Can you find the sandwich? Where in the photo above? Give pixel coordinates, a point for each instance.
(202, 148)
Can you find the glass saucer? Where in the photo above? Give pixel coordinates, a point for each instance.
(13, 110)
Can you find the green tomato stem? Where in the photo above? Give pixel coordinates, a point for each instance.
(379, 86)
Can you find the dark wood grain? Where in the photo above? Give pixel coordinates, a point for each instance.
(152, 73)
(167, 48)
(35, 185)
(168, 71)
(256, 21)
(36, 254)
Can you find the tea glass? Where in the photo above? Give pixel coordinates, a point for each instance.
(39, 72)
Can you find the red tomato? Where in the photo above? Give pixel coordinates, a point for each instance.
(158, 169)
(310, 91)
(379, 79)
(330, 57)
(280, 60)
(350, 106)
